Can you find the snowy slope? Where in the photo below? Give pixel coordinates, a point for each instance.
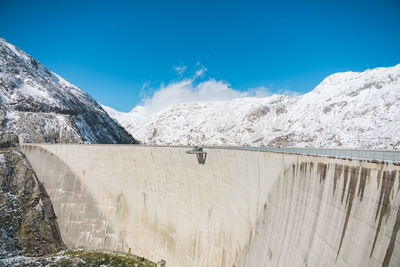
(349, 110)
(43, 107)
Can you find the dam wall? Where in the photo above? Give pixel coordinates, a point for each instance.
(239, 208)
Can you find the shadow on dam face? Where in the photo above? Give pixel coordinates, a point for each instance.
(82, 222)
(242, 208)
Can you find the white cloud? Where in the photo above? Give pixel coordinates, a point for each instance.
(260, 91)
(188, 90)
(288, 92)
(180, 69)
(200, 70)
(143, 90)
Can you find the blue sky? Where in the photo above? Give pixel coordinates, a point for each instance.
(112, 49)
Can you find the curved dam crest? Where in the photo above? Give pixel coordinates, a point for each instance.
(240, 208)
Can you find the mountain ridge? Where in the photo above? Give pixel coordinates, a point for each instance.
(346, 110)
(41, 106)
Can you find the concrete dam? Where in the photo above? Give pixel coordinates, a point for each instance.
(234, 207)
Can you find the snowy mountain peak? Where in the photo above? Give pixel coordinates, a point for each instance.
(43, 107)
(349, 110)
(372, 77)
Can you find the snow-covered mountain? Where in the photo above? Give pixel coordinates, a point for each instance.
(43, 107)
(349, 110)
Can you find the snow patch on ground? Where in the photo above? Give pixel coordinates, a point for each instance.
(2, 160)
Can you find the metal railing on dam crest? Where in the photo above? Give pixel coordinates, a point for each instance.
(342, 153)
(389, 155)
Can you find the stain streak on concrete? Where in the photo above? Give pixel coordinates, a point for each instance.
(349, 201)
(336, 176)
(345, 176)
(365, 173)
(384, 205)
(322, 169)
(392, 243)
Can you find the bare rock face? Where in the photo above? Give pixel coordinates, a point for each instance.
(28, 223)
(42, 107)
(8, 139)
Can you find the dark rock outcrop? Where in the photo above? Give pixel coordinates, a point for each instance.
(8, 140)
(28, 223)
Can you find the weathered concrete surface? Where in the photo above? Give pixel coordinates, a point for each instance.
(240, 208)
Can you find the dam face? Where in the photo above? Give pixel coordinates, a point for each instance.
(239, 208)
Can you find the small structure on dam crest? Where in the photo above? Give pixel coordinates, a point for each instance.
(200, 154)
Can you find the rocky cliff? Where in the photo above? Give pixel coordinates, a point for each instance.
(28, 224)
(43, 107)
